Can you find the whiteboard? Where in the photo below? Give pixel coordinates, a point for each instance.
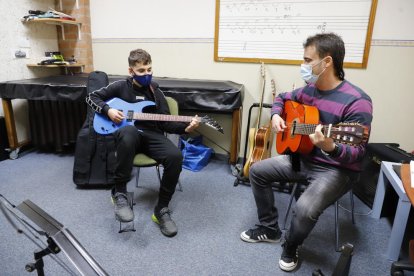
(152, 19)
(273, 31)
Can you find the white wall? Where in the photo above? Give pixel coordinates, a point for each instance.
(386, 79)
(36, 39)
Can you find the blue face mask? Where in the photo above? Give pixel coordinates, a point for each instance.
(307, 74)
(144, 80)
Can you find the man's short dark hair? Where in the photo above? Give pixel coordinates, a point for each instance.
(329, 44)
(139, 56)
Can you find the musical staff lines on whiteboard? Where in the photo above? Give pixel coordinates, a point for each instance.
(276, 49)
(293, 24)
(272, 29)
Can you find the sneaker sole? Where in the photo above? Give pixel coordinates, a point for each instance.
(287, 267)
(246, 238)
(154, 219)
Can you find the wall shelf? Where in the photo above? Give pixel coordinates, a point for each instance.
(58, 22)
(66, 66)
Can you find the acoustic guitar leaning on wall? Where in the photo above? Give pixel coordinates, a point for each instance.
(259, 137)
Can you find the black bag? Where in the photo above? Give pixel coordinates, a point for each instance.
(95, 159)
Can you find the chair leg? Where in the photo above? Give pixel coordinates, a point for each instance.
(337, 249)
(137, 177)
(180, 188)
(292, 195)
(158, 172)
(351, 194)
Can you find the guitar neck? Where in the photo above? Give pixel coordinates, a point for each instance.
(306, 129)
(161, 117)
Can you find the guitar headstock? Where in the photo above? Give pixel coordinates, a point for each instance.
(263, 70)
(349, 133)
(211, 123)
(273, 84)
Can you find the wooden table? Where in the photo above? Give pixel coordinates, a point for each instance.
(406, 180)
(386, 177)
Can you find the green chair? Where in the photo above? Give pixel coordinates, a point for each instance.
(142, 160)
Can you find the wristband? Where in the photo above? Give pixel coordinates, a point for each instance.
(332, 153)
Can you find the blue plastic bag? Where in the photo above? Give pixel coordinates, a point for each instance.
(195, 154)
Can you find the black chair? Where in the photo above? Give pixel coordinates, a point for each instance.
(299, 186)
(398, 268)
(141, 160)
(344, 262)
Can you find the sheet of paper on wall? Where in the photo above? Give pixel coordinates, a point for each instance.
(412, 173)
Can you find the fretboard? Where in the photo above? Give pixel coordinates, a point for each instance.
(306, 129)
(161, 117)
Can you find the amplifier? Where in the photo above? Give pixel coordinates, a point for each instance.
(367, 186)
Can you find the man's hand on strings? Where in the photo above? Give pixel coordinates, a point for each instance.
(278, 124)
(318, 139)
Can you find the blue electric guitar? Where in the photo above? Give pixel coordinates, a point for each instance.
(134, 111)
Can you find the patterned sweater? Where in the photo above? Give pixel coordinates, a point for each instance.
(345, 103)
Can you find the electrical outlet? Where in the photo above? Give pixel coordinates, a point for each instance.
(20, 53)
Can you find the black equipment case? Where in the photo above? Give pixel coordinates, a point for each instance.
(95, 158)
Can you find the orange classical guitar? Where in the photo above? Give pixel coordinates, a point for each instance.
(301, 120)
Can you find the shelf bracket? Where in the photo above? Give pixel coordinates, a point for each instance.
(62, 28)
(61, 7)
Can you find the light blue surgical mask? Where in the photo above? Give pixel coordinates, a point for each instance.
(307, 74)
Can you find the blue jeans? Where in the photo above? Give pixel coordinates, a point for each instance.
(326, 184)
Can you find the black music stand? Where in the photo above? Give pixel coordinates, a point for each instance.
(59, 239)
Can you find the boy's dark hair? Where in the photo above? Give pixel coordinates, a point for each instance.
(329, 44)
(139, 56)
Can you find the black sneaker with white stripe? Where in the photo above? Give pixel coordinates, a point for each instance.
(289, 258)
(261, 234)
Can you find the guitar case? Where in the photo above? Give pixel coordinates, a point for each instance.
(95, 159)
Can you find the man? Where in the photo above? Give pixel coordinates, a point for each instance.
(145, 136)
(330, 167)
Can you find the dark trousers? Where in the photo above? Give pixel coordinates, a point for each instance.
(130, 141)
(326, 185)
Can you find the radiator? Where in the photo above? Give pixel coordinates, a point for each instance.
(54, 125)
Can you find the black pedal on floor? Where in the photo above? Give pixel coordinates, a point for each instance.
(129, 226)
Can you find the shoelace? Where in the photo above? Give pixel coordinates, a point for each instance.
(121, 199)
(165, 211)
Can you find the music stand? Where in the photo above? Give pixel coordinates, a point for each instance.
(59, 239)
